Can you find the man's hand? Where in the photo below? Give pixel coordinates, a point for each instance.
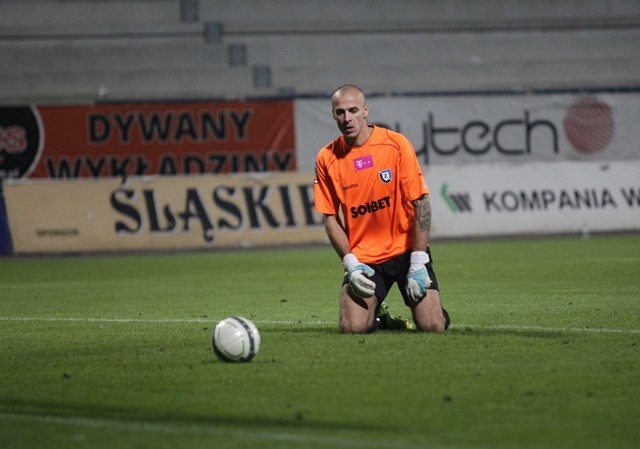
(358, 275)
(418, 278)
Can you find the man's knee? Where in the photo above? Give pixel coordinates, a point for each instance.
(429, 315)
(356, 314)
(431, 325)
(353, 327)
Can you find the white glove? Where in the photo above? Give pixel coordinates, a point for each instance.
(418, 279)
(358, 275)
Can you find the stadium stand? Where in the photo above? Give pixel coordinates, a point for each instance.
(64, 51)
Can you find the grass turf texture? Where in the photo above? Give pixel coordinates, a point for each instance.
(114, 351)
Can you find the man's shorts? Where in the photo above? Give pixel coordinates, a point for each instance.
(395, 271)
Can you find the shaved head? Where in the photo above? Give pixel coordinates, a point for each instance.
(350, 110)
(348, 89)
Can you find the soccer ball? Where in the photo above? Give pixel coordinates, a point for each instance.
(235, 339)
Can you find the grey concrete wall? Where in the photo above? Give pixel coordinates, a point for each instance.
(81, 51)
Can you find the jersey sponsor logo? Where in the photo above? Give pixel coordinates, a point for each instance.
(370, 207)
(385, 175)
(363, 163)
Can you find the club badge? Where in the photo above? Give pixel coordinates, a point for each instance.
(385, 175)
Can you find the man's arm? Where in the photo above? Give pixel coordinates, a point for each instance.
(358, 273)
(422, 223)
(418, 280)
(337, 236)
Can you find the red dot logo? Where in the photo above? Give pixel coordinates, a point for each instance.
(588, 124)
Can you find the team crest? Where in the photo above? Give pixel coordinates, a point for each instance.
(385, 175)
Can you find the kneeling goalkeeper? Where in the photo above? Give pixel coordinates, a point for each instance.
(371, 190)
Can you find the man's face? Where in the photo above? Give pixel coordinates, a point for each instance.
(350, 113)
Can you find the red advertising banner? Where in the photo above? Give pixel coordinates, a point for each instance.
(130, 139)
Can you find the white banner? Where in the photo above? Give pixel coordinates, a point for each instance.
(499, 128)
(181, 212)
(534, 198)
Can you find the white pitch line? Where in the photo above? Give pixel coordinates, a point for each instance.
(593, 330)
(154, 321)
(240, 432)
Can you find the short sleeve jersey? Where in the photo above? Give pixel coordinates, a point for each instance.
(370, 189)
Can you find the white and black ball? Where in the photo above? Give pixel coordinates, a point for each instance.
(235, 339)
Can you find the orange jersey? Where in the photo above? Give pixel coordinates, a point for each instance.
(371, 187)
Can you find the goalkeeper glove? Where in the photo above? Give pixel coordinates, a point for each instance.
(418, 278)
(358, 275)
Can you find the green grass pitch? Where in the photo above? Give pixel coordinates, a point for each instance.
(114, 352)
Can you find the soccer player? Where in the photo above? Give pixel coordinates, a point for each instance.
(370, 188)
